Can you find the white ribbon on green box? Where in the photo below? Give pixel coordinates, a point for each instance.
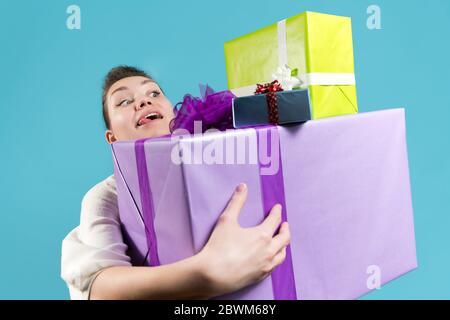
(310, 79)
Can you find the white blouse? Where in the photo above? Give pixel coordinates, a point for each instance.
(96, 243)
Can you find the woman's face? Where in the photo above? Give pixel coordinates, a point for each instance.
(137, 109)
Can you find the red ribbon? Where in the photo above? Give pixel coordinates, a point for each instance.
(270, 90)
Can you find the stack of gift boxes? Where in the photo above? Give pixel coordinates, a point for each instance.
(342, 177)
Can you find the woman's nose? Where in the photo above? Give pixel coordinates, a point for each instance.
(143, 102)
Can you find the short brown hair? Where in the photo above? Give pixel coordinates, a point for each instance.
(114, 75)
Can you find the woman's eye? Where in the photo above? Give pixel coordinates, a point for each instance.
(154, 93)
(124, 103)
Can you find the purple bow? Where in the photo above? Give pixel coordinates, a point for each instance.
(213, 109)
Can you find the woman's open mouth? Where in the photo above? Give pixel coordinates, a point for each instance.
(151, 116)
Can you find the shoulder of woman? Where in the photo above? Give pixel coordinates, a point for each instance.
(101, 197)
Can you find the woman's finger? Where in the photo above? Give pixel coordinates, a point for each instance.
(236, 202)
(273, 220)
(282, 239)
(279, 258)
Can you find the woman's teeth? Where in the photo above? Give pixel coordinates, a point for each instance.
(153, 116)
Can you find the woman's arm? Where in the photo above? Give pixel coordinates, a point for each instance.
(233, 258)
(181, 280)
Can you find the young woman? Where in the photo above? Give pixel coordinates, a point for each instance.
(94, 263)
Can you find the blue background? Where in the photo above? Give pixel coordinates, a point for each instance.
(52, 136)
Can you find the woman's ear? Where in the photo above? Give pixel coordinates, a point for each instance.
(109, 135)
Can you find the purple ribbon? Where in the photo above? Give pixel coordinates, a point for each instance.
(148, 210)
(272, 191)
(213, 109)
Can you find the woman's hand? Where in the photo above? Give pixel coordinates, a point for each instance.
(235, 257)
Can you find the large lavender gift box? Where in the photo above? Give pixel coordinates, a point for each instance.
(344, 182)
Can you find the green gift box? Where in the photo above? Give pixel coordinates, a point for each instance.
(317, 47)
